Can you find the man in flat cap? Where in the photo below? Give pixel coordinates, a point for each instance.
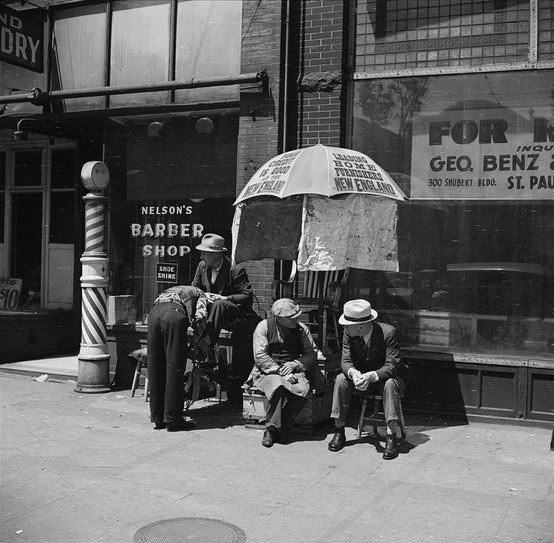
(370, 363)
(227, 287)
(284, 351)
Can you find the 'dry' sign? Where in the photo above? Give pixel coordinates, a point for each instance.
(21, 39)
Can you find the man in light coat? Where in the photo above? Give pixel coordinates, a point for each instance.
(284, 353)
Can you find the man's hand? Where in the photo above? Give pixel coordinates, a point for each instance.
(365, 379)
(291, 378)
(287, 368)
(212, 296)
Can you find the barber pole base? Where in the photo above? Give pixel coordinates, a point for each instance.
(93, 371)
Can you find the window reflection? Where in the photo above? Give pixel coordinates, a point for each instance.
(476, 258)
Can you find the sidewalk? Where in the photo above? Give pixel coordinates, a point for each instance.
(90, 468)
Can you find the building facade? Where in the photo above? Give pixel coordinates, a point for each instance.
(453, 98)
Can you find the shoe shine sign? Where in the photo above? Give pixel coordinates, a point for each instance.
(21, 39)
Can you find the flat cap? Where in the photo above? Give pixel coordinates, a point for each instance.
(285, 307)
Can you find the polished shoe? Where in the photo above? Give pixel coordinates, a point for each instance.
(338, 442)
(391, 448)
(180, 426)
(160, 426)
(271, 435)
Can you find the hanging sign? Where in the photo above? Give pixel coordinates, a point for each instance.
(483, 154)
(21, 39)
(167, 273)
(10, 289)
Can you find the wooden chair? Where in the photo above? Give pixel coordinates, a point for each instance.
(319, 297)
(376, 417)
(139, 356)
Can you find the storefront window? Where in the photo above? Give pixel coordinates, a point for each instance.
(79, 45)
(208, 45)
(140, 49)
(475, 155)
(62, 196)
(170, 185)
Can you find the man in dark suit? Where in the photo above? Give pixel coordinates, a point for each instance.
(370, 362)
(227, 287)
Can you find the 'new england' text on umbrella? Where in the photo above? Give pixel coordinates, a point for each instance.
(329, 171)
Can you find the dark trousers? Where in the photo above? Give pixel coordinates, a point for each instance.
(283, 408)
(389, 389)
(167, 358)
(221, 313)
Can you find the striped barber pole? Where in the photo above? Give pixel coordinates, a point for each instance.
(94, 225)
(94, 311)
(94, 359)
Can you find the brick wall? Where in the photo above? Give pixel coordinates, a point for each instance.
(316, 58)
(314, 95)
(259, 127)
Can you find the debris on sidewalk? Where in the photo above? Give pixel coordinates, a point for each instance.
(42, 378)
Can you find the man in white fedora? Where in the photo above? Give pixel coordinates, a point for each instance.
(370, 363)
(227, 287)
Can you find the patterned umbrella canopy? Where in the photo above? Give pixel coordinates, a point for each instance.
(320, 169)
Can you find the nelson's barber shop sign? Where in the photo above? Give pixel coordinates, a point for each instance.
(21, 39)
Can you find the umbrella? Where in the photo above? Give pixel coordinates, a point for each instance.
(320, 169)
(357, 228)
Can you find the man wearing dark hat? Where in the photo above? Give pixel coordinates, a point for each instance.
(167, 347)
(227, 287)
(370, 362)
(284, 351)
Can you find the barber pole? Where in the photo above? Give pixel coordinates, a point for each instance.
(94, 360)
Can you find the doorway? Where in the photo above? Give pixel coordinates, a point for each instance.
(37, 237)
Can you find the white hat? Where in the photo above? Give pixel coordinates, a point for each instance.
(357, 312)
(285, 307)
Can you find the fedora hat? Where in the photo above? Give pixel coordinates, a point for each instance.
(357, 312)
(285, 307)
(212, 243)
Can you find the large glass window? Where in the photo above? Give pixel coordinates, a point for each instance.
(140, 48)
(79, 44)
(475, 155)
(170, 184)
(62, 196)
(208, 45)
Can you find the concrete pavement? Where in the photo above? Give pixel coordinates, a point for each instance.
(90, 468)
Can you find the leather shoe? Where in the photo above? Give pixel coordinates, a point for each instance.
(391, 448)
(270, 436)
(180, 426)
(160, 426)
(338, 441)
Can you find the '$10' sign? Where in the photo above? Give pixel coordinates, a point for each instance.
(9, 292)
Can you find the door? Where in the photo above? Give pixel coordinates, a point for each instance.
(38, 226)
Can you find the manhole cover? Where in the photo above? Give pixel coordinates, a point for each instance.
(205, 530)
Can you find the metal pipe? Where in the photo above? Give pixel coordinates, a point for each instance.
(38, 97)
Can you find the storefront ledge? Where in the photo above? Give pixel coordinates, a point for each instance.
(483, 359)
(143, 329)
(452, 418)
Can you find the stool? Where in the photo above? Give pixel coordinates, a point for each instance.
(140, 356)
(377, 417)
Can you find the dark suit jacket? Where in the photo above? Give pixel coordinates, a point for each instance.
(232, 281)
(381, 355)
